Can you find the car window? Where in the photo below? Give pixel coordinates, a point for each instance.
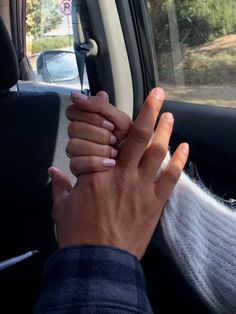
(49, 42)
(196, 49)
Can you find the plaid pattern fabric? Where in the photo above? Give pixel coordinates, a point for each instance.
(93, 279)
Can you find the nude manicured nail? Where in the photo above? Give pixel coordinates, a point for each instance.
(109, 162)
(108, 125)
(78, 96)
(168, 117)
(185, 148)
(114, 153)
(113, 140)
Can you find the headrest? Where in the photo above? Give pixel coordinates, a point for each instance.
(9, 71)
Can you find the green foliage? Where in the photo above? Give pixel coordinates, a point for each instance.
(198, 20)
(49, 43)
(42, 16)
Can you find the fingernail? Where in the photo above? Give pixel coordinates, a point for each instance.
(108, 125)
(113, 140)
(168, 117)
(114, 152)
(109, 162)
(158, 93)
(185, 148)
(78, 96)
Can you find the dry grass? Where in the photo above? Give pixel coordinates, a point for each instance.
(209, 74)
(211, 64)
(223, 44)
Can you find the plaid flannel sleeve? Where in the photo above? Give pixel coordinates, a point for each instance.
(93, 279)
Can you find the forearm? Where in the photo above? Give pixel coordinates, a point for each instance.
(201, 234)
(93, 279)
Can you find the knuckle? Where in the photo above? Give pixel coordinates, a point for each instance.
(153, 106)
(179, 166)
(72, 147)
(68, 112)
(158, 151)
(93, 164)
(172, 176)
(108, 151)
(72, 129)
(74, 166)
(167, 127)
(141, 135)
(106, 136)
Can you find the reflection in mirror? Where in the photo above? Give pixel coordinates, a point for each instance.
(61, 66)
(56, 66)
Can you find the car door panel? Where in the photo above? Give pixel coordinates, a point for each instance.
(211, 133)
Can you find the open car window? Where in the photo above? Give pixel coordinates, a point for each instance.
(196, 49)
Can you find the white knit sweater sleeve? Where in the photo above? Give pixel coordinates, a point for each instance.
(201, 234)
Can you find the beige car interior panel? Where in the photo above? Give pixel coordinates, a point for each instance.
(121, 73)
(60, 160)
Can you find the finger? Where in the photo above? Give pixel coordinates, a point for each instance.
(77, 147)
(170, 176)
(91, 133)
(104, 95)
(158, 147)
(82, 165)
(96, 104)
(142, 130)
(74, 114)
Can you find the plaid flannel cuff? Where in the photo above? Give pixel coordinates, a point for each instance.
(95, 275)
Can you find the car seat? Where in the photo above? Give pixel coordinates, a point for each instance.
(28, 127)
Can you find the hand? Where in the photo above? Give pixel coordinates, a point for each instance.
(121, 207)
(96, 131)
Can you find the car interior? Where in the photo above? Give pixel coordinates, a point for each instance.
(29, 122)
(33, 127)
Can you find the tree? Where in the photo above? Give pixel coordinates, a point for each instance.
(198, 21)
(182, 24)
(42, 16)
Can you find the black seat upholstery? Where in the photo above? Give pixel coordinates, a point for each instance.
(28, 131)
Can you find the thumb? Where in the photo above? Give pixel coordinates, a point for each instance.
(61, 185)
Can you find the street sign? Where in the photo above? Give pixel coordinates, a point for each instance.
(65, 6)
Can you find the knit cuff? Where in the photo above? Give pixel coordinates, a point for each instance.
(201, 234)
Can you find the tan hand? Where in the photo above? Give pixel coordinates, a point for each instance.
(121, 207)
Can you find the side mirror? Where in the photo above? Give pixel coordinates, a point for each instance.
(55, 66)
